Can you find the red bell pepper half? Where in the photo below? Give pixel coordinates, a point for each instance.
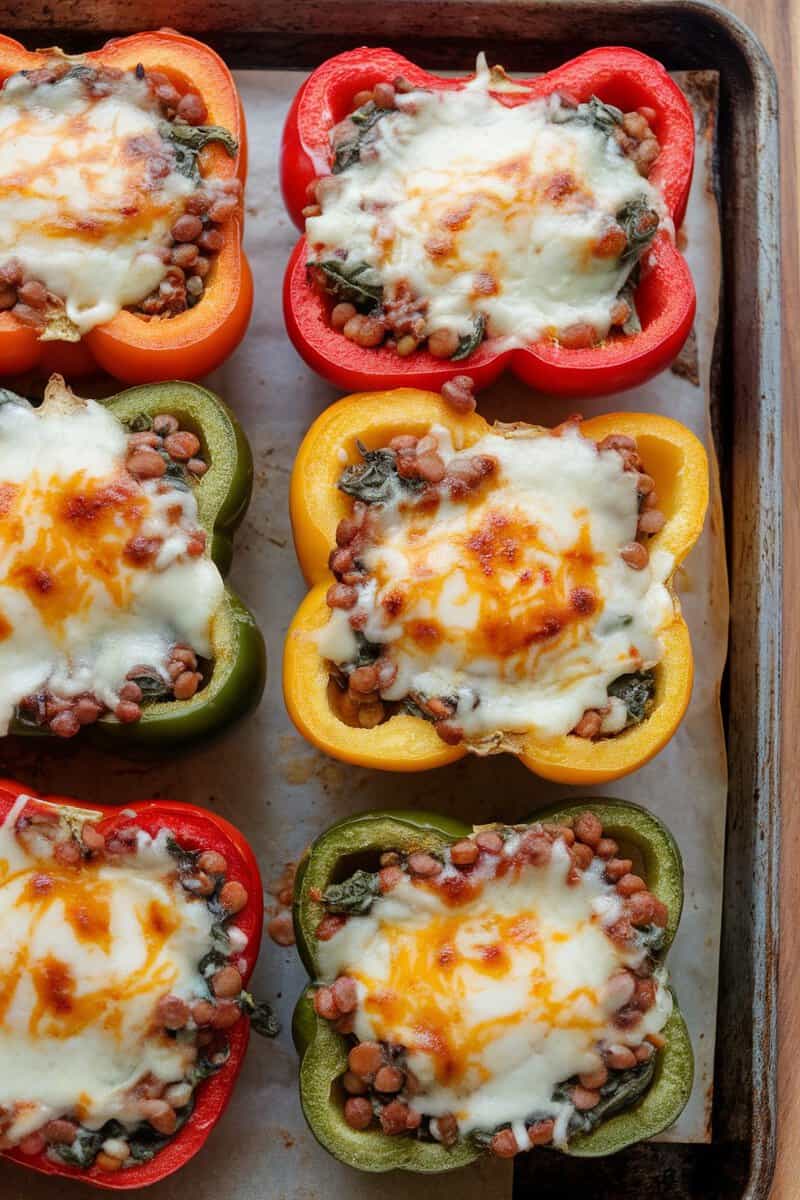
(665, 298)
(194, 829)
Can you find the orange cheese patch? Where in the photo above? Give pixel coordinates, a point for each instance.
(79, 897)
(61, 539)
(122, 174)
(527, 596)
(495, 198)
(431, 977)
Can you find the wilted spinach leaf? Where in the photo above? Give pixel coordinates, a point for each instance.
(623, 1089)
(83, 1151)
(220, 950)
(628, 294)
(204, 1067)
(144, 1142)
(368, 652)
(604, 117)
(636, 691)
(262, 1019)
(470, 341)
(354, 896)
(348, 151)
(152, 686)
(652, 937)
(356, 283)
(376, 479)
(186, 859)
(414, 710)
(176, 472)
(141, 423)
(640, 223)
(79, 71)
(188, 140)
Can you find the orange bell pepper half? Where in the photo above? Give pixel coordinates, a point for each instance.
(673, 456)
(193, 342)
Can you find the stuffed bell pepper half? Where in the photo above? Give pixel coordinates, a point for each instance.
(491, 588)
(121, 177)
(485, 223)
(116, 525)
(491, 989)
(129, 937)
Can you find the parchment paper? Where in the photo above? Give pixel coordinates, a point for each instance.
(282, 793)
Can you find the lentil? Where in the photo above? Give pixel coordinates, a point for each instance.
(388, 1079)
(584, 1098)
(233, 896)
(442, 343)
(540, 1133)
(160, 1115)
(172, 1012)
(635, 555)
(504, 1144)
(358, 1112)
(365, 1059)
(354, 1084)
(226, 982)
(459, 394)
(589, 724)
(629, 884)
(424, 865)
(464, 853)
(341, 314)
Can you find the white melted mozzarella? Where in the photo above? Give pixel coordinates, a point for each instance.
(480, 579)
(75, 614)
(83, 964)
(482, 208)
(496, 999)
(83, 204)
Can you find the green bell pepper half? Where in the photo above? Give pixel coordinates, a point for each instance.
(237, 675)
(357, 842)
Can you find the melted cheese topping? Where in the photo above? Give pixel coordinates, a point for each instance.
(514, 601)
(85, 956)
(76, 612)
(88, 192)
(483, 208)
(496, 999)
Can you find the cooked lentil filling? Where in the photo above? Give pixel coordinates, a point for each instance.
(506, 991)
(122, 969)
(451, 216)
(107, 594)
(103, 204)
(499, 589)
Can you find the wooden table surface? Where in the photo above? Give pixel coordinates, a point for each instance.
(777, 23)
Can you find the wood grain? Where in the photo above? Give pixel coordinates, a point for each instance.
(777, 23)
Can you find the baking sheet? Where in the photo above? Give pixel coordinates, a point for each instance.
(281, 792)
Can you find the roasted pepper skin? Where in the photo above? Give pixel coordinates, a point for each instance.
(665, 297)
(238, 673)
(323, 1052)
(196, 341)
(675, 459)
(195, 829)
